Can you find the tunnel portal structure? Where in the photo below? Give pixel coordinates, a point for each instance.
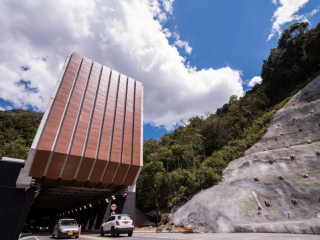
(91, 132)
(86, 155)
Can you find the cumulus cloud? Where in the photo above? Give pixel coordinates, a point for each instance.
(274, 2)
(167, 32)
(254, 81)
(181, 44)
(286, 13)
(184, 44)
(167, 5)
(126, 36)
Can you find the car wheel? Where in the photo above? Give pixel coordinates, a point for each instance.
(101, 232)
(77, 236)
(130, 234)
(118, 234)
(112, 232)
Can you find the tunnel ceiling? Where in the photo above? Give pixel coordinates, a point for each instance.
(53, 200)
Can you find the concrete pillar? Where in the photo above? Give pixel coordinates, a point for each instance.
(102, 208)
(14, 203)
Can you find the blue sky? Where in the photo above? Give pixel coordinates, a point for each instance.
(232, 33)
(190, 55)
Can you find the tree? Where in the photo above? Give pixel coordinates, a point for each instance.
(286, 67)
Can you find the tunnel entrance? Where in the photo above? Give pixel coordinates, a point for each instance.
(89, 207)
(86, 154)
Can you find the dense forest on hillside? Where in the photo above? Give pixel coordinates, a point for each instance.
(18, 128)
(193, 157)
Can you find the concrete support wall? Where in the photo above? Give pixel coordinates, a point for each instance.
(14, 203)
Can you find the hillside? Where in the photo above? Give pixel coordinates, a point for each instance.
(194, 156)
(18, 128)
(270, 176)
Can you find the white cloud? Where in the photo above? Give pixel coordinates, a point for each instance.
(125, 36)
(254, 81)
(167, 32)
(180, 43)
(286, 13)
(184, 44)
(167, 5)
(274, 2)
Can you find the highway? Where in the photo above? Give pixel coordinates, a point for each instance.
(195, 236)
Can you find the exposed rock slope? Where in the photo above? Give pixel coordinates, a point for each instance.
(289, 149)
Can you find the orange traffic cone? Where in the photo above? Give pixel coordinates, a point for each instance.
(79, 230)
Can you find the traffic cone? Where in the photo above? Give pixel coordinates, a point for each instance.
(80, 231)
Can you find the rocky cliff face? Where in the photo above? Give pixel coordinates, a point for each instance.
(275, 187)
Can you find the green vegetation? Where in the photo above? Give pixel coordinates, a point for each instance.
(17, 128)
(193, 157)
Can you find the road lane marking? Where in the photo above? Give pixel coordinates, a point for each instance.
(94, 237)
(170, 237)
(28, 237)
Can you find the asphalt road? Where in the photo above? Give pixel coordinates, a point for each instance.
(195, 236)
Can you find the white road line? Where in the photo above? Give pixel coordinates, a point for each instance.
(28, 237)
(170, 237)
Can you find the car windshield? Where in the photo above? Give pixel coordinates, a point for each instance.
(68, 222)
(123, 217)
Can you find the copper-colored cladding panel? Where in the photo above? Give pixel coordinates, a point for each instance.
(127, 137)
(117, 133)
(39, 163)
(109, 116)
(97, 118)
(106, 131)
(87, 163)
(136, 137)
(67, 177)
(83, 125)
(69, 122)
(93, 139)
(99, 127)
(49, 133)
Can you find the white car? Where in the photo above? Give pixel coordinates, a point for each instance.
(116, 224)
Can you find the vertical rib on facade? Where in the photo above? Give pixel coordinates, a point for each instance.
(92, 135)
